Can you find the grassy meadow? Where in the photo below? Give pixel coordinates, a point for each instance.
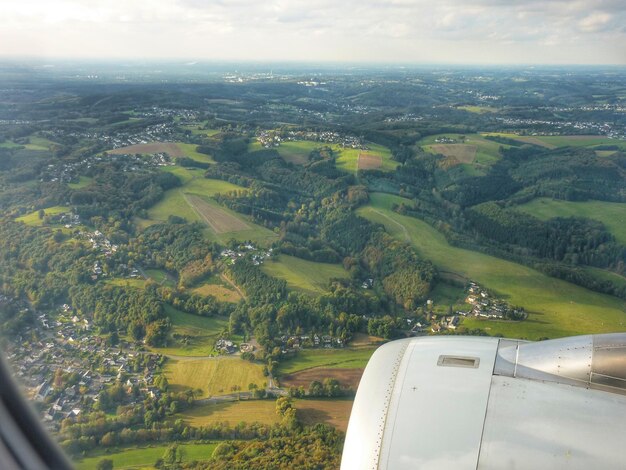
(303, 275)
(33, 217)
(214, 376)
(192, 335)
(611, 214)
(557, 308)
(233, 412)
(127, 458)
(347, 358)
(484, 152)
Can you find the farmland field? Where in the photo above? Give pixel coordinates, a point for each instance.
(478, 109)
(218, 219)
(348, 158)
(611, 214)
(554, 141)
(304, 275)
(214, 376)
(368, 161)
(347, 358)
(234, 412)
(556, 308)
(346, 377)
(486, 151)
(143, 457)
(333, 412)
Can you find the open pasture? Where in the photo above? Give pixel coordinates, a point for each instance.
(346, 358)
(218, 219)
(304, 275)
(132, 458)
(192, 335)
(556, 308)
(611, 214)
(214, 376)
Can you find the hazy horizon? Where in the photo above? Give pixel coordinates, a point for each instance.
(447, 32)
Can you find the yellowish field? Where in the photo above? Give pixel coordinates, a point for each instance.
(333, 412)
(33, 217)
(220, 292)
(258, 411)
(214, 376)
(218, 219)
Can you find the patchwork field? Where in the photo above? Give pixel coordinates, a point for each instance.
(218, 219)
(214, 376)
(348, 158)
(192, 335)
(478, 109)
(193, 202)
(482, 152)
(234, 412)
(611, 214)
(333, 412)
(346, 377)
(347, 358)
(368, 161)
(143, 457)
(556, 308)
(303, 275)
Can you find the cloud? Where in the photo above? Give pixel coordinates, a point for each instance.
(408, 30)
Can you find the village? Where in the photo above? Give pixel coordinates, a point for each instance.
(64, 364)
(272, 139)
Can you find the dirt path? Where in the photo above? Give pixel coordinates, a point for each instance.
(404, 230)
(234, 286)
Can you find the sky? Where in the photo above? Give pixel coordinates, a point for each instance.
(394, 31)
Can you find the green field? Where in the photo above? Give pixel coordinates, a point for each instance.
(144, 457)
(347, 358)
(297, 151)
(177, 202)
(137, 282)
(556, 308)
(611, 214)
(303, 275)
(487, 151)
(83, 181)
(347, 158)
(214, 376)
(192, 335)
(218, 288)
(33, 218)
(161, 277)
(554, 141)
(234, 412)
(190, 151)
